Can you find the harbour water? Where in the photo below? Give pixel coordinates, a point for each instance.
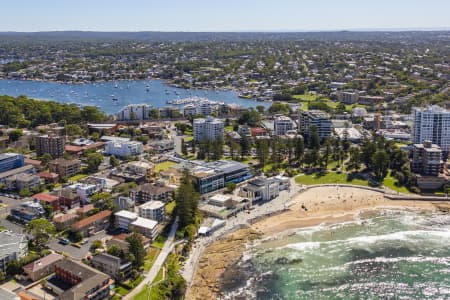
(101, 94)
(383, 255)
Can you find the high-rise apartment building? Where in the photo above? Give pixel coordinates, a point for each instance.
(51, 144)
(433, 124)
(208, 129)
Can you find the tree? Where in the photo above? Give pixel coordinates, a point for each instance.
(2, 276)
(231, 186)
(45, 158)
(15, 134)
(115, 250)
(92, 114)
(245, 146)
(113, 161)
(14, 267)
(184, 147)
(250, 117)
(380, 162)
(136, 249)
(97, 244)
(260, 109)
(279, 108)
(299, 149)
(314, 139)
(41, 229)
(354, 162)
(154, 114)
(73, 130)
(93, 161)
(75, 236)
(262, 151)
(186, 201)
(327, 153)
(217, 148)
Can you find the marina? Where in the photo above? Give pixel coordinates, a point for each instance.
(112, 96)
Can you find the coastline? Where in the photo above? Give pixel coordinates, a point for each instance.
(328, 205)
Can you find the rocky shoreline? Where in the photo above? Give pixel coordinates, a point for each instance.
(222, 268)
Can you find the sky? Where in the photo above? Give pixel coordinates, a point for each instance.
(222, 15)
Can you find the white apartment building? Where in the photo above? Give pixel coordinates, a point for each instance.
(124, 149)
(282, 124)
(433, 124)
(124, 218)
(208, 129)
(134, 112)
(154, 210)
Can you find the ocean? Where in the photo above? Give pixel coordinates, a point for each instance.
(389, 254)
(100, 94)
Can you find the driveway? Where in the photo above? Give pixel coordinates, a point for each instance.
(74, 252)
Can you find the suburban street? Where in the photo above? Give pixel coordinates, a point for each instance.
(159, 262)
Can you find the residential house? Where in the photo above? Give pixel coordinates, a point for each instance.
(93, 224)
(64, 221)
(154, 210)
(13, 246)
(74, 281)
(115, 267)
(65, 167)
(42, 267)
(148, 192)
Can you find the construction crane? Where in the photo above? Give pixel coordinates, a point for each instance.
(379, 115)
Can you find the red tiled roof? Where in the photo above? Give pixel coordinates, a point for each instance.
(85, 208)
(45, 197)
(63, 218)
(89, 220)
(32, 162)
(25, 296)
(50, 175)
(71, 148)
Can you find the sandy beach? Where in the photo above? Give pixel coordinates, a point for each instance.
(330, 204)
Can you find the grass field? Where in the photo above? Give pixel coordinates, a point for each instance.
(390, 181)
(305, 97)
(77, 177)
(150, 258)
(330, 177)
(164, 166)
(159, 241)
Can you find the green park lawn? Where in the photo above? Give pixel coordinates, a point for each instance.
(150, 258)
(390, 181)
(328, 178)
(305, 97)
(159, 241)
(77, 177)
(164, 166)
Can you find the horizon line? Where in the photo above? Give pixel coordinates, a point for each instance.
(406, 29)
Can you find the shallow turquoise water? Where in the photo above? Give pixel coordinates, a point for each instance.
(382, 255)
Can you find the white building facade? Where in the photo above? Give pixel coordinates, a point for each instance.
(208, 129)
(432, 124)
(134, 112)
(282, 124)
(124, 149)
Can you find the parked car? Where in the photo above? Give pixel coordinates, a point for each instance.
(64, 241)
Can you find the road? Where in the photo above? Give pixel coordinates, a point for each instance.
(241, 219)
(159, 262)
